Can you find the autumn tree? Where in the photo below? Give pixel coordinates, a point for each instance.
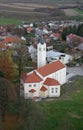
(6, 66)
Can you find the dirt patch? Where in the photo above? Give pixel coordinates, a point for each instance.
(71, 12)
(11, 122)
(74, 115)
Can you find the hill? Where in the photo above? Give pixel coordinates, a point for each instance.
(40, 10)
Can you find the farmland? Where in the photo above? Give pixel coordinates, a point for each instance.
(37, 11)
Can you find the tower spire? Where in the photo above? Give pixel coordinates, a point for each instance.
(41, 39)
(41, 51)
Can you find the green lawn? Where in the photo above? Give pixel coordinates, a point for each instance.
(79, 11)
(10, 21)
(66, 113)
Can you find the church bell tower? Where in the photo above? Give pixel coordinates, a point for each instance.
(41, 52)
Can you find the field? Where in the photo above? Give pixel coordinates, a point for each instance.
(37, 11)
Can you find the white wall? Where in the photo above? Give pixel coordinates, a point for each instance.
(41, 55)
(27, 87)
(61, 76)
(54, 91)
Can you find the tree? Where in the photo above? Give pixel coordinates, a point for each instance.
(33, 116)
(64, 33)
(80, 30)
(7, 93)
(74, 30)
(6, 66)
(1, 74)
(21, 57)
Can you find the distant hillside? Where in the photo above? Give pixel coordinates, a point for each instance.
(42, 1)
(41, 9)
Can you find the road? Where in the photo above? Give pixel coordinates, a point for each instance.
(73, 71)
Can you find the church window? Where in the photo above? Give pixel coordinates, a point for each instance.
(52, 90)
(34, 85)
(56, 90)
(29, 85)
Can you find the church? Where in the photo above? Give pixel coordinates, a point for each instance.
(46, 80)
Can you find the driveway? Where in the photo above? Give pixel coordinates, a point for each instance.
(73, 71)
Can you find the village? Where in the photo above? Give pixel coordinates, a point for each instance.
(41, 71)
(47, 49)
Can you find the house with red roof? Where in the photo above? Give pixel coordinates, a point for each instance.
(74, 40)
(29, 29)
(44, 82)
(11, 41)
(55, 36)
(2, 46)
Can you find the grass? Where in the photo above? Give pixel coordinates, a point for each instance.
(79, 11)
(9, 21)
(66, 114)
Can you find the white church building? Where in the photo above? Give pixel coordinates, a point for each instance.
(46, 80)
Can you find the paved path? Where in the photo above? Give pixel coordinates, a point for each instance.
(73, 71)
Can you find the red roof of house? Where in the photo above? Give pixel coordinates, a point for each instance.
(31, 78)
(43, 88)
(2, 45)
(51, 82)
(32, 90)
(75, 37)
(44, 71)
(56, 35)
(12, 39)
(50, 68)
(29, 29)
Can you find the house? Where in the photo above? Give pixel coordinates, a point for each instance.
(12, 41)
(52, 55)
(73, 40)
(29, 29)
(55, 36)
(44, 82)
(2, 46)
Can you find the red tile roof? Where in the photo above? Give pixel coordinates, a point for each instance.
(51, 82)
(56, 35)
(31, 78)
(44, 71)
(2, 45)
(12, 39)
(75, 37)
(50, 68)
(29, 29)
(32, 90)
(43, 88)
